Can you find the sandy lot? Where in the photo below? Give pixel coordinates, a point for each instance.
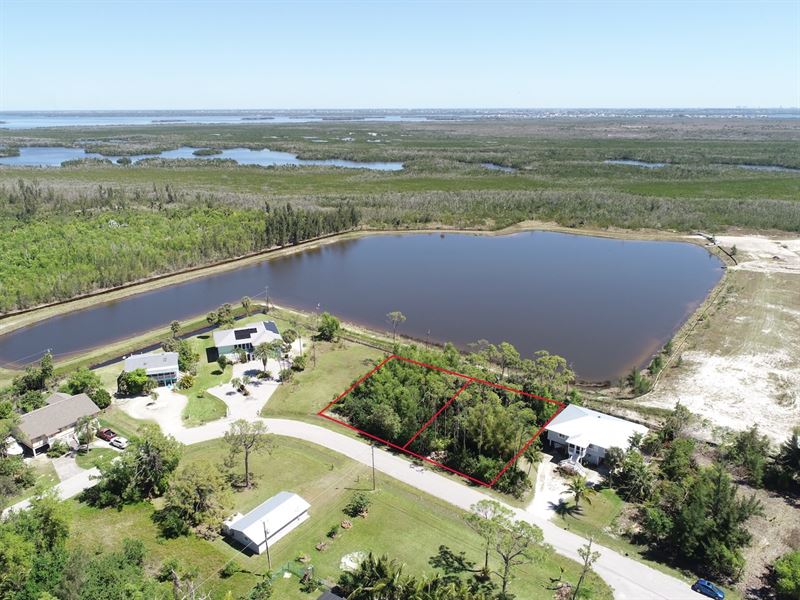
(741, 365)
(763, 254)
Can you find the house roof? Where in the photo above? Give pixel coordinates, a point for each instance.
(255, 334)
(329, 596)
(276, 513)
(57, 397)
(584, 426)
(52, 418)
(155, 362)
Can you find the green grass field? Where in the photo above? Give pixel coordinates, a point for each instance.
(94, 457)
(402, 522)
(203, 407)
(338, 365)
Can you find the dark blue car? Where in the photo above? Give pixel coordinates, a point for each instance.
(705, 587)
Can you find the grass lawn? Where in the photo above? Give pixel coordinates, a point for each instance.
(46, 477)
(338, 365)
(202, 407)
(122, 423)
(402, 522)
(94, 456)
(108, 376)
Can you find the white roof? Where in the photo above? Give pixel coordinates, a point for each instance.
(255, 333)
(156, 362)
(276, 513)
(584, 426)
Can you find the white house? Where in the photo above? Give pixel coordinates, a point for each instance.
(231, 341)
(586, 434)
(276, 517)
(160, 366)
(56, 420)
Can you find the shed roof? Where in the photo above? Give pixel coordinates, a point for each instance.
(52, 418)
(583, 426)
(276, 513)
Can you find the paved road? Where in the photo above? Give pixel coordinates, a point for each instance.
(630, 579)
(66, 489)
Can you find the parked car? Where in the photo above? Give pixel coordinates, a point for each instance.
(106, 434)
(119, 442)
(705, 587)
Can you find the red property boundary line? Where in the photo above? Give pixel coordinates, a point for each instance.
(470, 381)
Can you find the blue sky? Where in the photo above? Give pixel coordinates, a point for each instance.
(167, 54)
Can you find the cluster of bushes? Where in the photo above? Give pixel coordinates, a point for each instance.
(481, 430)
(694, 515)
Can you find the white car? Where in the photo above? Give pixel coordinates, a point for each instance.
(119, 442)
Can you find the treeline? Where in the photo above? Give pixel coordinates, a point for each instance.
(482, 429)
(56, 255)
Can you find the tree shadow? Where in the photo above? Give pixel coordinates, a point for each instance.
(565, 509)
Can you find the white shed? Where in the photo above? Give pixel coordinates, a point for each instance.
(277, 516)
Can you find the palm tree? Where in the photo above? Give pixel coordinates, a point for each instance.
(236, 383)
(263, 352)
(396, 318)
(246, 304)
(533, 454)
(580, 490)
(85, 429)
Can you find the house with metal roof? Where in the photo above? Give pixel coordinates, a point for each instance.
(56, 420)
(246, 338)
(159, 366)
(268, 522)
(586, 435)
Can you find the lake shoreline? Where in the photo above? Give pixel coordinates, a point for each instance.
(59, 307)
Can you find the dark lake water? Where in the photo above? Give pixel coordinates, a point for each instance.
(54, 156)
(606, 305)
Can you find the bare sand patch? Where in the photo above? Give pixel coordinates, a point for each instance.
(741, 365)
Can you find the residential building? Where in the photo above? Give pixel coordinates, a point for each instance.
(159, 366)
(56, 420)
(246, 338)
(268, 522)
(586, 435)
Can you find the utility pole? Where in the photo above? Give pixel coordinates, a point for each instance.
(266, 543)
(372, 445)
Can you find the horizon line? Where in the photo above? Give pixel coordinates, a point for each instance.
(397, 108)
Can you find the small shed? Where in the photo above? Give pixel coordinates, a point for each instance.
(275, 517)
